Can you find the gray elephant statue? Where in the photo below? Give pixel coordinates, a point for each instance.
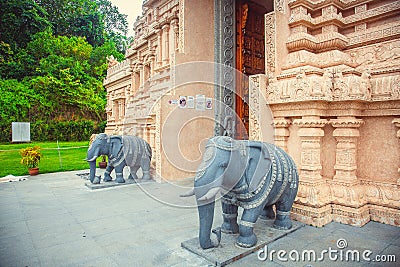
(125, 150)
(249, 174)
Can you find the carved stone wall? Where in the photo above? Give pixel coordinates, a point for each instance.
(340, 69)
(332, 81)
(135, 84)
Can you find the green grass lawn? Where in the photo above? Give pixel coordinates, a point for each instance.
(71, 158)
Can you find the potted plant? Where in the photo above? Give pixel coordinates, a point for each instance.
(103, 162)
(31, 158)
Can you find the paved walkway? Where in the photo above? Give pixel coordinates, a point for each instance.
(54, 220)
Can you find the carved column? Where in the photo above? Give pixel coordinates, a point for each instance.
(281, 135)
(175, 28)
(346, 134)
(310, 133)
(224, 56)
(159, 47)
(348, 201)
(165, 45)
(396, 122)
(312, 204)
(141, 75)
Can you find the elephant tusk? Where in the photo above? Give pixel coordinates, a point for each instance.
(188, 193)
(92, 159)
(210, 194)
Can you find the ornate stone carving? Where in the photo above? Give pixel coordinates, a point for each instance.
(257, 83)
(181, 40)
(279, 6)
(270, 32)
(376, 34)
(310, 133)
(281, 135)
(346, 134)
(157, 111)
(225, 73)
(396, 122)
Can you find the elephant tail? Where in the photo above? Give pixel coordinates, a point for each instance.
(148, 150)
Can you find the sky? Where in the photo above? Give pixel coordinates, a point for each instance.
(132, 8)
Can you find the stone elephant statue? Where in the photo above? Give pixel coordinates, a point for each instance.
(122, 151)
(249, 174)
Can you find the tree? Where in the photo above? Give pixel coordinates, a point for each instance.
(75, 18)
(113, 20)
(97, 20)
(20, 20)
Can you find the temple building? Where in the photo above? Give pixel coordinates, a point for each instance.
(319, 78)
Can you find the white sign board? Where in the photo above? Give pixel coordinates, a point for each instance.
(21, 131)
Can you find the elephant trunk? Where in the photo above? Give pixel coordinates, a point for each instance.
(206, 217)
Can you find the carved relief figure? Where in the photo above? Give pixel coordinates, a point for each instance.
(111, 61)
(249, 174)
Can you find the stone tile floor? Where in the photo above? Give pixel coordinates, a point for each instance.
(55, 220)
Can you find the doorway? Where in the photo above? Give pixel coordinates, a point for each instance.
(250, 57)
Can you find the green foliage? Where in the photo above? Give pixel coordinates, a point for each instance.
(63, 130)
(20, 20)
(53, 62)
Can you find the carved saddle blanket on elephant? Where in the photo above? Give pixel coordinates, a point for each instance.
(135, 149)
(132, 151)
(282, 171)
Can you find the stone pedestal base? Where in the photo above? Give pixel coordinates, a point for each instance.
(313, 216)
(352, 216)
(227, 252)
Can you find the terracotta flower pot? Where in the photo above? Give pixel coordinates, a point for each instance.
(102, 164)
(33, 171)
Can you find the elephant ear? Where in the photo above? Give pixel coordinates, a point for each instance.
(115, 145)
(259, 164)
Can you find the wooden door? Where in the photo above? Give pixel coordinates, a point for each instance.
(250, 57)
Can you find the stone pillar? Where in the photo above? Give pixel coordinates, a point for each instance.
(165, 45)
(310, 133)
(312, 205)
(281, 135)
(396, 122)
(175, 27)
(140, 130)
(348, 201)
(159, 47)
(346, 133)
(141, 75)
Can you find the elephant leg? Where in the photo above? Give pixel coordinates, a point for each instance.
(133, 171)
(246, 237)
(107, 176)
(146, 168)
(119, 177)
(283, 221)
(267, 213)
(229, 213)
